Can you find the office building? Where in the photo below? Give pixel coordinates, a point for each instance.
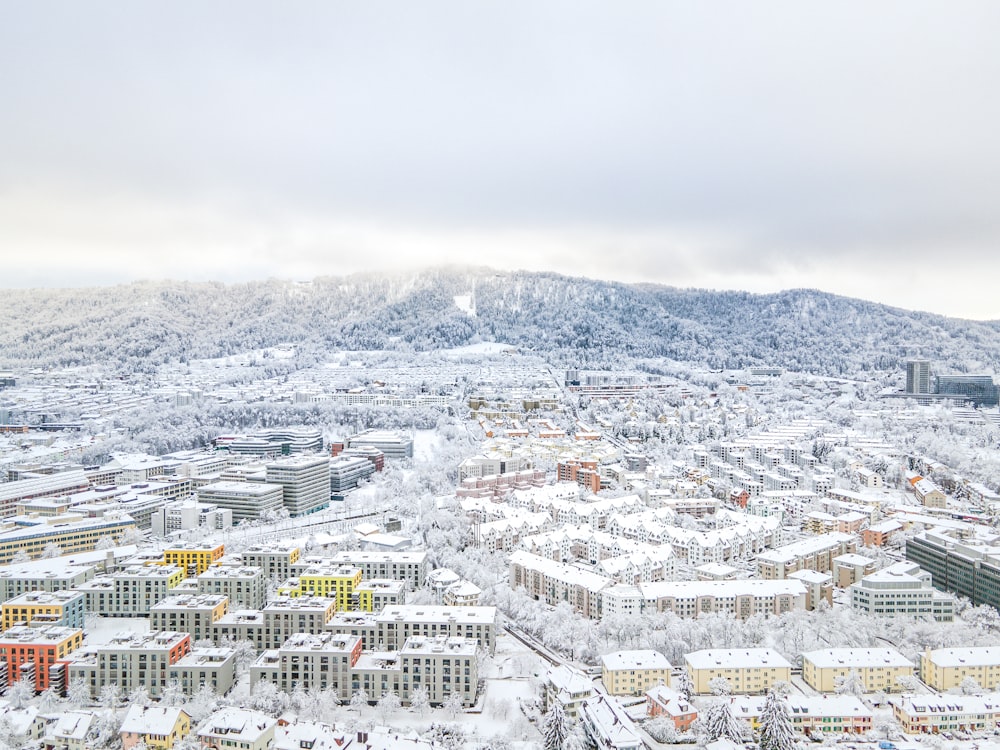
(965, 568)
(246, 500)
(902, 589)
(305, 483)
(393, 445)
(918, 376)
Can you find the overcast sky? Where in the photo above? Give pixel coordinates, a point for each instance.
(852, 147)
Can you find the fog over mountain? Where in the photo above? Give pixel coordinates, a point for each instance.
(574, 321)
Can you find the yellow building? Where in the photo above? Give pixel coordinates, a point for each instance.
(747, 670)
(157, 727)
(44, 608)
(945, 668)
(878, 668)
(337, 582)
(634, 672)
(193, 558)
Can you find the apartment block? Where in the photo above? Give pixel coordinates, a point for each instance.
(241, 625)
(276, 560)
(310, 661)
(377, 594)
(131, 592)
(395, 624)
(153, 659)
(878, 668)
(244, 585)
(944, 668)
(811, 715)
(35, 653)
(16, 580)
(739, 598)
(285, 616)
(66, 608)
(411, 567)
(850, 568)
(816, 553)
(752, 670)
(195, 615)
(634, 672)
(336, 581)
(554, 582)
(194, 559)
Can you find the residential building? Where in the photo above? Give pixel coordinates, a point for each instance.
(929, 494)
(663, 701)
(879, 534)
(819, 587)
(71, 731)
(156, 727)
(878, 668)
(285, 616)
(751, 670)
(850, 568)
(395, 624)
(20, 579)
(276, 560)
(195, 615)
(133, 591)
(634, 672)
(35, 653)
(568, 686)
(377, 594)
(816, 553)
(244, 585)
(740, 598)
(936, 714)
(237, 729)
(194, 559)
(336, 581)
(944, 668)
(66, 608)
(554, 582)
(309, 661)
(444, 665)
(608, 726)
(812, 715)
(411, 567)
(902, 589)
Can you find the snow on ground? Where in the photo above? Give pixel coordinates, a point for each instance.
(483, 347)
(464, 303)
(426, 445)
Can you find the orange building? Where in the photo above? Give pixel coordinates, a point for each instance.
(584, 473)
(29, 653)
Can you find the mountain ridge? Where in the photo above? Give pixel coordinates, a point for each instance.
(576, 320)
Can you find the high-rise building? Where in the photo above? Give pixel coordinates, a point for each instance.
(305, 483)
(918, 376)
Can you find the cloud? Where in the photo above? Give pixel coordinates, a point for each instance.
(844, 147)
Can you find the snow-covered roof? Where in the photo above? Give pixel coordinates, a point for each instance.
(856, 657)
(741, 658)
(237, 724)
(974, 656)
(151, 719)
(640, 659)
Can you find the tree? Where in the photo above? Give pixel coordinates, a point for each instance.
(454, 704)
(139, 696)
(420, 700)
(49, 701)
(388, 705)
(720, 721)
(78, 694)
(51, 550)
(173, 694)
(684, 686)
(776, 731)
(720, 686)
(908, 683)
(850, 684)
(359, 700)
(20, 693)
(662, 729)
(555, 729)
(110, 696)
(969, 686)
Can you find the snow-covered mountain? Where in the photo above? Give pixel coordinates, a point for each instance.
(578, 321)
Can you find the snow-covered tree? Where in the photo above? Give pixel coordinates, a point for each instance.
(776, 731)
(908, 683)
(555, 728)
(49, 700)
(139, 696)
(173, 694)
(662, 729)
(420, 700)
(51, 550)
(20, 693)
(388, 705)
(684, 686)
(969, 686)
(359, 700)
(110, 696)
(720, 721)
(849, 684)
(720, 686)
(454, 705)
(78, 694)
